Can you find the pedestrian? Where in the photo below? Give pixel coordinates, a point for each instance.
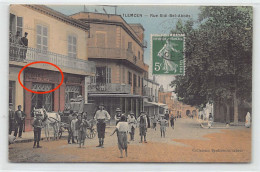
(70, 136)
(74, 127)
(122, 130)
(19, 118)
(83, 124)
(210, 121)
(142, 120)
(101, 117)
(11, 118)
(17, 45)
(172, 121)
(84, 115)
(163, 124)
(37, 128)
(132, 125)
(154, 121)
(248, 120)
(167, 116)
(118, 115)
(24, 41)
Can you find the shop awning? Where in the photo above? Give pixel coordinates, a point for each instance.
(114, 95)
(156, 104)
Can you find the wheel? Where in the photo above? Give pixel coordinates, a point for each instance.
(91, 133)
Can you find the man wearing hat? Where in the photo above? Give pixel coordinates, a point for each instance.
(118, 115)
(101, 117)
(37, 128)
(142, 119)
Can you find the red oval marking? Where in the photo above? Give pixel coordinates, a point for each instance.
(36, 92)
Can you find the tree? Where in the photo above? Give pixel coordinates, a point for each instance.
(218, 58)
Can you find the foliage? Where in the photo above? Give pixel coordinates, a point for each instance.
(218, 56)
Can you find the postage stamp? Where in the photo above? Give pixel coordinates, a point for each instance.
(168, 54)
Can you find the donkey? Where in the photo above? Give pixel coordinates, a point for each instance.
(50, 119)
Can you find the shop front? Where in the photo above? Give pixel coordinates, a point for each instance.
(43, 80)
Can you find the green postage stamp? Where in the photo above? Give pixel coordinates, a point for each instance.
(168, 54)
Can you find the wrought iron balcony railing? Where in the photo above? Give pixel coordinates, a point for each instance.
(21, 53)
(109, 88)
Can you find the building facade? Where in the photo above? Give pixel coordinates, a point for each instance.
(175, 107)
(118, 50)
(55, 38)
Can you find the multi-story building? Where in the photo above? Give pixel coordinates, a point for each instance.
(118, 50)
(150, 93)
(55, 38)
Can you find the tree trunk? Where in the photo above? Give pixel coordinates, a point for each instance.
(235, 108)
(228, 114)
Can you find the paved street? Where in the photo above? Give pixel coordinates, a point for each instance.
(188, 142)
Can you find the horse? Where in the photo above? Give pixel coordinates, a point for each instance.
(52, 119)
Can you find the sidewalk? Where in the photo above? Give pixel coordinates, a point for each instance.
(219, 125)
(28, 135)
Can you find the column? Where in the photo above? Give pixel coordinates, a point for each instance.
(27, 106)
(62, 96)
(87, 82)
(56, 98)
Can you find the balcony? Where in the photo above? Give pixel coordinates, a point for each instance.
(116, 53)
(18, 53)
(109, 88)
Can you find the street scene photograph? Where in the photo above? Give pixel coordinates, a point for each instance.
(130, 83)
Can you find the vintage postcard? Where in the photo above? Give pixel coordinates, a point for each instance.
(130, 83)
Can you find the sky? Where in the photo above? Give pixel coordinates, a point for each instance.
(151, 24)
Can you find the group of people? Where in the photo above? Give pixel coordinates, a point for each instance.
(16, 121)
(77, 129)
(19, 45)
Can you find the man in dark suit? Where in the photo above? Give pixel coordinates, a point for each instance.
(24, 41)
(19, 118)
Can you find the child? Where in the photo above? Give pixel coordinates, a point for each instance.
(132, 124)
(74, 127)
(163, 124)
(154, 122)
(142, 126)
(122, 130)
(82, 131)
(37, 127)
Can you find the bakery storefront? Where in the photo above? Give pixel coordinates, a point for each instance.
(44, 80)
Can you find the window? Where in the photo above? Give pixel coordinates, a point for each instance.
(42, 37)
(139, 55)
(72, 46)
(71, 92)
(129, 48)
(103, 75)
(16, 24)
(123, 75)
(12, 93)
(130, 78)
(139, 81)
(134, 81)
(108, 77)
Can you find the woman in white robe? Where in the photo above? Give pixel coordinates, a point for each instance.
(248, 120)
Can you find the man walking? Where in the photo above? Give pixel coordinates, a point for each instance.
(70, 136)
(19, 118)
(101, 117)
